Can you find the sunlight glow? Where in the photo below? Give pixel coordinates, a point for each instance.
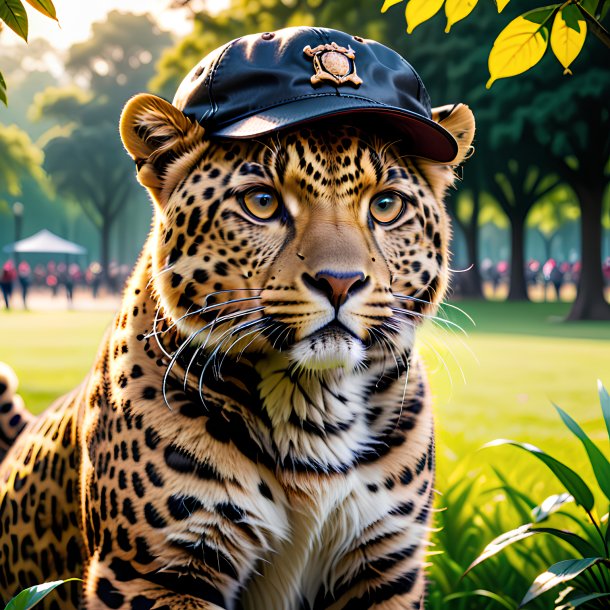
(76, 16)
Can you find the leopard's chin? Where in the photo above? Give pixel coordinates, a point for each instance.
(332, 347)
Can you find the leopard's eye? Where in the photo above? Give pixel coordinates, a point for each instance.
(261, 203)
(387, 207)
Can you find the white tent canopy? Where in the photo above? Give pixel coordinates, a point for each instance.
(45, 242)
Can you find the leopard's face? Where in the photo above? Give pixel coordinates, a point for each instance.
(327, 245)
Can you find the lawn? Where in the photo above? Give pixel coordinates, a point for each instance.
(498, 380)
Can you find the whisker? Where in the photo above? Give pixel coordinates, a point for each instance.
(404, 297)
(217, 320)
(226, 352)
(237, 329)
(409, 313)
(206, 308)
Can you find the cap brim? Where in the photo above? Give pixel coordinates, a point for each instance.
(426, 137)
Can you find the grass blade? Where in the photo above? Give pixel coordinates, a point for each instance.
(549, 506)
(560, 572)
(525, 531)
(604, 399)
(580, 599)
(571, 481)
(480, 593)
(500, 543)
(599, 463)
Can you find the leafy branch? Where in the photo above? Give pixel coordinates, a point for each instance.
(13, 14)
(523, 42)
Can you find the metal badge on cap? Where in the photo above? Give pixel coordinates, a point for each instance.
(334, 63)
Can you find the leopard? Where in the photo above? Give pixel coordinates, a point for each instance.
(256, 430)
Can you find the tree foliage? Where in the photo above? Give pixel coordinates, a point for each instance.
(524, 40)
(21, 159)
(84, 156)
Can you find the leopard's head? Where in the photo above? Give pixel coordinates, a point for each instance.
(326, 243)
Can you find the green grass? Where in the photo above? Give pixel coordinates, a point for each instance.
(50, 352)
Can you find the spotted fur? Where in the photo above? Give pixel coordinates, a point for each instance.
(241, 442)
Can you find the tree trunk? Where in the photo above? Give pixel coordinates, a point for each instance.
(518, 289)
(470, 281)
(105, 247)
(590, 303)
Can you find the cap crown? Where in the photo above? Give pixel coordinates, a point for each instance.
(262, 71)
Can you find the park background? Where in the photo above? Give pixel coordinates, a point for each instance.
(536, 190)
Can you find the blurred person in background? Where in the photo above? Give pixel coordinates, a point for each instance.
(532, 273)
(52, 277)
(93, 277)
(40, 276)
(7, 279)
(24, 272)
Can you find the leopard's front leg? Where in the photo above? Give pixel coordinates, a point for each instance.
(384, 569)
(119, 585)
(168, 527)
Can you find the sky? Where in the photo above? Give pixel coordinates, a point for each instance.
(76, 16)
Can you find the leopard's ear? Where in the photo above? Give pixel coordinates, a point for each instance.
(157, 135)
(458, 120)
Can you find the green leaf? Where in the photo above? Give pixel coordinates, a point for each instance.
(549, 506)
(45, 7)
(604, 399)
(388, 4)
(601, 466)
(585, 548)
(28, 598)
(571, 15)
(562, 571)
(540, 15)
(501, 542)
(13, 14)
(480, 593)
(525, 531)
(3, 97)
(580, 599)
(571, 481)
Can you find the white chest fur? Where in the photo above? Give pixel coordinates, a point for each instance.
(322, 526)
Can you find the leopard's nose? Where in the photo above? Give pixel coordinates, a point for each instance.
(338, 286)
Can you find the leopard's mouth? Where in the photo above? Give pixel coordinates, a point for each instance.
(330, 347)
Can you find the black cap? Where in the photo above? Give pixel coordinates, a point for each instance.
(261, 83)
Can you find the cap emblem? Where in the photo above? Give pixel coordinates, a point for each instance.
(333, 63)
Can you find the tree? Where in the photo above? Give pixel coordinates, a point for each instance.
(465, 211)
(84, 155)
(572, 126)
(549, 216)
(118, 60)
(517, 189)
(21, 159)
(80, 169)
